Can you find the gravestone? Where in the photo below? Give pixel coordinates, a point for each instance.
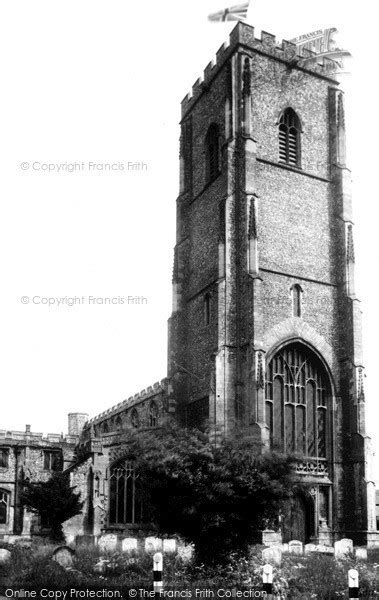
(283, 548)
(310, 548)
(64, 556)
(70, 539)
(361, 553)
(185, 552)
(129, 544)
(325, 549)
(272, 555)
(5, 556)
(343, 547)
(153, 544)
(169, 545)
(108, 542)
(295, 547)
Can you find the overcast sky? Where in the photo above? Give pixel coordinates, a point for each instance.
(91, 81)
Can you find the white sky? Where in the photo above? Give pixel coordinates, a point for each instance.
(101, 81)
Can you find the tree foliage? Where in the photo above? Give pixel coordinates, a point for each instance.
(54, 500)
(217, 496)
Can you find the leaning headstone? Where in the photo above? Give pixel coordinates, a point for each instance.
(129, 544)
(272, 556)
(70, 539)
(169, 545)
(310, 548)
(295, 547)
(343, 547)
(108, 542)
(153, 544)
(361, 553)
(185, 552)
(64, 556)
(5, 556)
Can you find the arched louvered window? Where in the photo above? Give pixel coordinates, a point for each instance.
(125, 494)
(153, 414)
(296, 402)
(134, 419)
(289, 138)
(4, 498)
(212, 152)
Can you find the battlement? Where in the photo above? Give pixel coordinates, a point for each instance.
(243, 35)
(31, 438)
(152, 390)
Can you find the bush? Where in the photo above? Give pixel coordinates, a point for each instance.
(215, 496)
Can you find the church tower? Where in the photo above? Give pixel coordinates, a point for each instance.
(265, 333)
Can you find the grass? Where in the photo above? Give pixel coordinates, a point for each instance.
(299, 578)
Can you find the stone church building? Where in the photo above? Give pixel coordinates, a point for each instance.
(265, 334)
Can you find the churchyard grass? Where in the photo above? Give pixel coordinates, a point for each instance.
(306, 577)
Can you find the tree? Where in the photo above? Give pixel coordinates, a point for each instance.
(217, 496)
(54, 500)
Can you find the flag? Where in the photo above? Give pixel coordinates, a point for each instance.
(233, 13)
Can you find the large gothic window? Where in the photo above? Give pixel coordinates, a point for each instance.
(296, 402)
(3, 507)
(289, 138)
(125, 505)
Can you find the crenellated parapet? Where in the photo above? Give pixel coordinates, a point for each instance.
(118, 416)
(243, 37)
(37, 439)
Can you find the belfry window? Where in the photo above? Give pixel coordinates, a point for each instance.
(296, 402)
(3, 507)
(289, 138)
(212, 152)
(125, 502)
(153, 414)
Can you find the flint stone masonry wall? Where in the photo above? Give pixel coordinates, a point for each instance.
(26, 461)
(243, 36)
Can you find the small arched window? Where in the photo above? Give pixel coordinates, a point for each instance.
(296, 300)
(207, 309)
(118, 423)
(289, 138)
(153, 414)
(105, 428)
(134, 419)
(212, 152)
(3, 507)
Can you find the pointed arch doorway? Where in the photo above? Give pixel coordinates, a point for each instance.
(298, 520)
